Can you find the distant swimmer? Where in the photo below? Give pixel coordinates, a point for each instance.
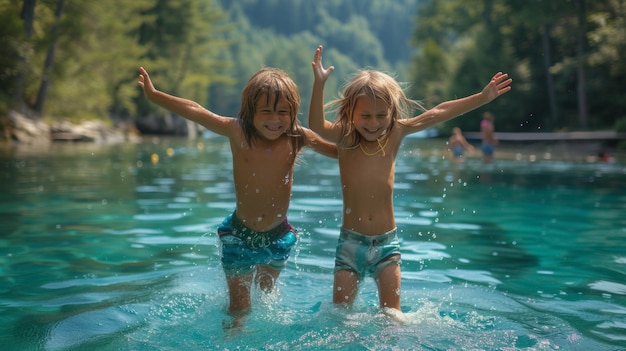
(457, 144)
(489, 141)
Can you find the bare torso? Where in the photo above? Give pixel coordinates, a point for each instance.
(367, 186)
(263, 177)
(487, 132)
(455, 141)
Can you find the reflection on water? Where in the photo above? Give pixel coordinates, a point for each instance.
(113, 247)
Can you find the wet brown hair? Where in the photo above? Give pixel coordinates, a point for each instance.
(273, 84)
(374, 84)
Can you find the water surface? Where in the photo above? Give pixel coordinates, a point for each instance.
(113, 247)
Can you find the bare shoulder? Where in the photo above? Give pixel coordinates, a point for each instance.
(228, 126)
(414, 124)
(399, 131)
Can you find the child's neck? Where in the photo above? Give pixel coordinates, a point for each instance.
(380, 147)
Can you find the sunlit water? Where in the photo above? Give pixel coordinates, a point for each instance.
(110, 248)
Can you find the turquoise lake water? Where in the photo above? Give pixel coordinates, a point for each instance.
(104, 247)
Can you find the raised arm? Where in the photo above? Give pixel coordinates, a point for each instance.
(317, 120)
(465, 143)
(185, 108)
(499, 84)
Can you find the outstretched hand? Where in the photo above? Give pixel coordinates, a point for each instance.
(319, 72)
(144, 82)
(498, 85)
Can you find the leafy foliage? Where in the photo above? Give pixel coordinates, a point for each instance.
(566, 57)
(565, 69)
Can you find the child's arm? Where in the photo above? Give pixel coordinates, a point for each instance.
(498, 85)
(467, 145)
(317, 122)
(185, 108)
(318, 144)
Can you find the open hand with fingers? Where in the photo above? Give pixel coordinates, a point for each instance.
(498, 85)
(319, 72)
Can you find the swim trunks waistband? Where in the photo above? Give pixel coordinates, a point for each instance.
(240, 230)
(380, 239)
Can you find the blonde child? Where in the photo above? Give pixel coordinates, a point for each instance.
(368, 132)
(265, 138)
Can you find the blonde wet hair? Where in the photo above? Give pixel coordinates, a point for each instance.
(376, 85)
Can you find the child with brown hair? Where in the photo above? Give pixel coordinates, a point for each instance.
(265, 138)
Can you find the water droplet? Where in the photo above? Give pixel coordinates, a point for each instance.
(348, 210)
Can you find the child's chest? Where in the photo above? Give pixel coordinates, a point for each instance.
(263, 160)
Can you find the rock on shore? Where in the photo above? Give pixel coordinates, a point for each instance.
(21, 129)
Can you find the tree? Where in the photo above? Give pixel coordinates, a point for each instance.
(52, 45)
(28, 17)
(98, 55)
(182, 41)
(555, 52)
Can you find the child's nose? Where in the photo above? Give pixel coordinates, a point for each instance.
(373, 123)
(274, 115)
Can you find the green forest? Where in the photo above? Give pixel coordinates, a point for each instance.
(78, 59)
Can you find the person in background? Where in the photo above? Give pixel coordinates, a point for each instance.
(265, 138)
(603, 156)
(457, 144)
(489, 141)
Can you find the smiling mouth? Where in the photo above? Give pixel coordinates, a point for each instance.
(273, 128)
(372, 131)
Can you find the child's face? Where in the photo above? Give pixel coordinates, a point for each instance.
(371, 117)
(272, 120)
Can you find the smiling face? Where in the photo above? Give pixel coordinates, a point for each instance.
(272, 116)
(270, 90)
(371, 117)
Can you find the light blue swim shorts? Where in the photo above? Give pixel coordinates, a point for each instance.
(366, 254)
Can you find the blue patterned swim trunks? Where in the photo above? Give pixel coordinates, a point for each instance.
(243, 248)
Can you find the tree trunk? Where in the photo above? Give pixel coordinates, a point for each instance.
(28, 16)
(45, 79)
(487, 13)
(547, 61)
(580, 64)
